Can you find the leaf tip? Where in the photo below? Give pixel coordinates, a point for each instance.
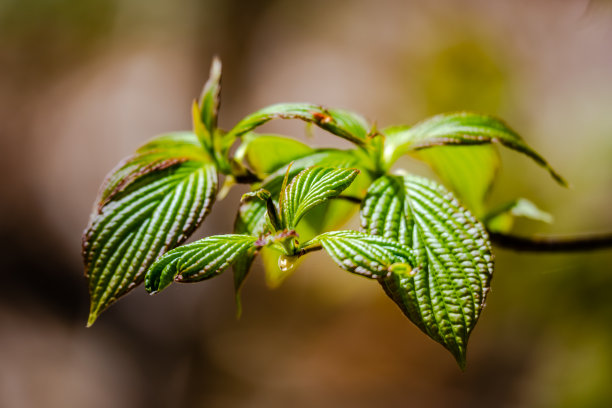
(559, 178)
(462, 362)
(459, 352)
(216, 65)
(93, 315)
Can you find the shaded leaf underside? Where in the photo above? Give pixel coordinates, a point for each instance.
(459, 128)
(469, 171)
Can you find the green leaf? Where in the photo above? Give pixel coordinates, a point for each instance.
(452, 250)
(209, 100)
(241, 268)
(502, 219)
(273, 218)
(158, 154)
(458, 128)
(321, 157)
(204, 113)
(200, 260)
(363, 254)
(469, 171)
(339, 122)
(251, 217)
(310, 188)
(150, 204)
(267, 153)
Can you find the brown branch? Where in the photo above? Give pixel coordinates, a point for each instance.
(351, 199)
(552, 243)
(566, 243)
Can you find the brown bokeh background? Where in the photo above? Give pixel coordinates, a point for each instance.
(83, 84)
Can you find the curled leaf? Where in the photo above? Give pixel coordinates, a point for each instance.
(367, 255)
(458, 128)
(339, 122)
(197, 261)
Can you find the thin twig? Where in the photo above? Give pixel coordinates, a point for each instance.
(351, 199)
(552, 243)
(310, 248)
(538, 243)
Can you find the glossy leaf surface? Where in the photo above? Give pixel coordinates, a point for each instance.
(158, 154)
(452, 251)
(367, 255)
(251, 218)
(150, 204)
(197, 261)
(310, 188)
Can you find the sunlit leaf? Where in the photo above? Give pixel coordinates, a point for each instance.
(197, 261)
(460, 128)
(364, 254)
(339, 122)
(267, 153)
(251, 218)
(209, 100)
(158, 154)
(310, 188)
(150, 204)
(453, 256)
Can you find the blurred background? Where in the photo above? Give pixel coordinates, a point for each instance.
(82, 84)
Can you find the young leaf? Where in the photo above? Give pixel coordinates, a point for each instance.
(251, 217)
(469, 171)
(452, 250)
(458, 128)
(339, 122)
(310, 188)
(209, 100)
(502, 218)
(150, 204)
(197, 261)
(367, 255)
